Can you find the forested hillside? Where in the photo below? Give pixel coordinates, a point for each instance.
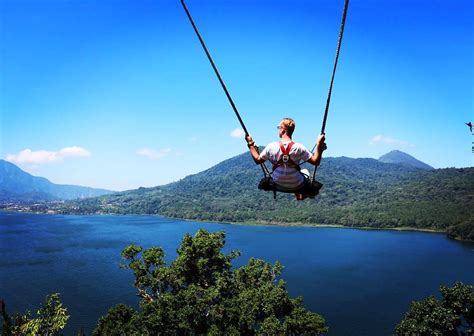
(356, 192)
(18, 186)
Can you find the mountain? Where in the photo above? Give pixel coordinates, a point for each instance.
(17, 185)
(404, 159)
(356, 193)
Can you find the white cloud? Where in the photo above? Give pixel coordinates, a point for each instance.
(380, 139)
(154, 154)
(237, 133)
(43, 156)
(74, 151)
(193, 139)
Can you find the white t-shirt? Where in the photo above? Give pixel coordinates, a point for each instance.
(284, 175)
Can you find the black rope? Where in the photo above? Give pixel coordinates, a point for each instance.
(264, 168)
(339, 41)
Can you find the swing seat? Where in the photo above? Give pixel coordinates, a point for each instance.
(309, 188)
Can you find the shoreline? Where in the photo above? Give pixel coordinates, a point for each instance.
(263, 223)
(257, 223)
(315, 225)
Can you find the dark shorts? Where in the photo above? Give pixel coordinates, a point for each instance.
(309, 188)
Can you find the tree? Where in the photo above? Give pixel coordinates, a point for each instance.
(51, 319)
(116, 321)
(453, 315)
(200, 293)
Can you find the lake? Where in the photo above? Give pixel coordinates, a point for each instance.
(360, 281)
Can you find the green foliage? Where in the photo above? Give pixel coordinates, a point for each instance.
(464, 231)
(453, 315)
(356, 193)
(116, 321)
(51, 319)
(200, 293)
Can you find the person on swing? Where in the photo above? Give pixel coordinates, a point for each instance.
(285, 157)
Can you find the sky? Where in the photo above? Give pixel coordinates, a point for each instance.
(119, 94)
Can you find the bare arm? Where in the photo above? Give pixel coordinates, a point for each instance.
(253, 150)
(318, 154)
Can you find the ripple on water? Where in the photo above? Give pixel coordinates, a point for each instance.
(49, 249)
(25, 262)
(99, 244)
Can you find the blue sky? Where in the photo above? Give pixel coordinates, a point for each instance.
(119, 94)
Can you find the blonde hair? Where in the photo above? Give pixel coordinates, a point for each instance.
(289, 125)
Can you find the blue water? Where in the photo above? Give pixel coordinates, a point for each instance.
(361, 281)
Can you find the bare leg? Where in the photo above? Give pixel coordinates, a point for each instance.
(300, 197)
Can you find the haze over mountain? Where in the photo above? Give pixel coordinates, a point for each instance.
(17, 185)
(400, 157)
(356, 193)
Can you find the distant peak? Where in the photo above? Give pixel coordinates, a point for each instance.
(396, 151)
(403, 158)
